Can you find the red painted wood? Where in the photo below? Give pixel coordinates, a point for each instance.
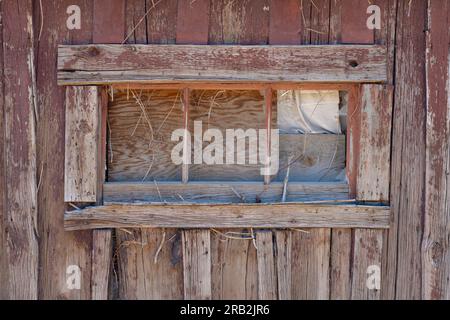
(109, 21)
(285, 22)
(354, 22)
(193, 22)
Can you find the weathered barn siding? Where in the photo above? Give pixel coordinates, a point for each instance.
(154, 263)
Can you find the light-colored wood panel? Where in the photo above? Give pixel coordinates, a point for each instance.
(197, 264)
(319, 157)
(101, 64)
(311, 264)
(228, 216)
(223, 192)
(226, 110)
(141, 124)
(82, 119)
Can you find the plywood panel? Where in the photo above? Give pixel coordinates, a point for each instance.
(226, 192)
(226, 110)
(140, 143)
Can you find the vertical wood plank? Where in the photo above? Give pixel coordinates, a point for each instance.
(354, 30)
(135, 22)
(58, 249)
(193, 22)
(387, 36)
(161, 21)
(375, 143)
(284, 264)
(101, 264)
(366, 268)
(267, 279)
(106, 12)
(3, 200)
(192, 28)
(20, 150)
(435, 245)
(311, 264)
(197, 264)
(242, 22)
(80, 178)
(354, 22)
(403, 272)
(340, 280)
(341, 239)
(372, 185)
(234, 266)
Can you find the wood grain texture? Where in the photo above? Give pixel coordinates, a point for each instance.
(102, 240)
(374, 170)
(340, 266)
(82, 125)
(310, 264)
(317, 158)
(217, 192)
(367, 253)
(149, 260)
(101, 264)
(58, 249)
(106, 64)
(267, 277)
(3, 203)
(140, 143)
(246, 23)
(150, 264)
(197, 264)
(436, 242)
(284, 264)
(161, 21)
(234, 273)
(228, 216)
(22, 252)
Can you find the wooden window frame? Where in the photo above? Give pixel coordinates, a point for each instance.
(371, 209)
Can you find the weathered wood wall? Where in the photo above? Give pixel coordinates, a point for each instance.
(317, 264)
